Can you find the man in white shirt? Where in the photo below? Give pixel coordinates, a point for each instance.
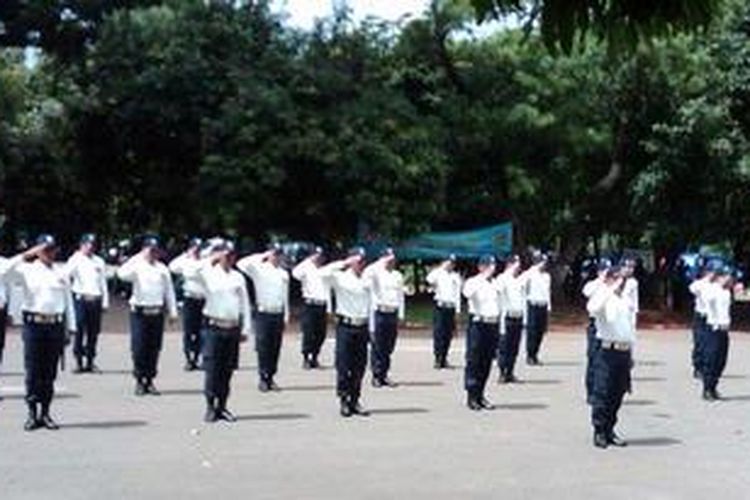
(511, 285)
(186, 265)
(271, 283)
(316, 295)
(388, 302)
(483, 302)
(613, 358)
(352, 292)
(718, 319)
(47, 311)
(226, 322)
(699, 289)
(539, 304)
(592, 344)
(446, 286)
(152, 295)
(91, 297)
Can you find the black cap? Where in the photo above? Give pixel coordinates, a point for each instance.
(539, 258)
(452, 258)
(388, 252)
(224, 246)
(357, 251)
(195, 242)
(487, 260)
(275, 248)
(150, 241)
(88, 238)
(604, 264)
(46, 239)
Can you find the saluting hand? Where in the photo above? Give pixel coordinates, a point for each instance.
(34, 252)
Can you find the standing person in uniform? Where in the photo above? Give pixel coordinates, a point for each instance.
(152, 296)
(539, 304)
(700, 288)
(316, 295)
(613, 358)
(87, 272)
(271, 283)
(388, 308)
(193, 300)
(483, 302)
(226, 322)
(716, 342)
(592, 343)
(511, 284)
(352, 293)
(47, 310)
(446, 285)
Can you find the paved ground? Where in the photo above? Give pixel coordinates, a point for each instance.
(420, 442)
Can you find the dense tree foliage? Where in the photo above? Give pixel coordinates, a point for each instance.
(187, 116)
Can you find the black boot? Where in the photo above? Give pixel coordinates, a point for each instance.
(358, 409)
(472, 402)
(32, 423)
(345, 409)
(140, 387)
(222, 413)
(210, 415)
(600, 439)
(615, 440)
(151, 388)
(91, 366)
(79, 365)
(314, 363)
(306, 363)
(45, 420)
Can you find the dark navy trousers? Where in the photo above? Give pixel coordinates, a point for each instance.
(269, 328)
(192, 322)
(42, 347)
(481, 344)
(221, 351)
(351, 360)
(3, 325)
(536, 327)
(700, 329)
(313, 325)
(88, 327)
(507, 348)
(383, 343)
(716, 349)
(592, 345)
(443, 326)
(611, 382)
(146, 339)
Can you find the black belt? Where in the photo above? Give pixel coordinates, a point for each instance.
(355, 322)
(148, 310)
(315, 302)
(611, 345)
(86, 297)
(222, 324)
(43, 319)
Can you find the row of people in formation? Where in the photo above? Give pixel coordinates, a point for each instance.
(611, 337)
(369, 302)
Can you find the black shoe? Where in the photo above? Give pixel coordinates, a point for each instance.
(530, 361)
(151, 389)
(438, 364)
(377, 382)
(716, 395)
(388, 382)
(225, 415)
(273, 387)
(473, 404)
(263, 386)
(47, 422)
(358, 409)
(600, 440)
(140, 389)
(189, 366)
(314, 363)
(346, 409)
(616, 440)
(306, 365)
(708, 395)
(486, 404)
(93, 368)
(510, 379)
(31, 424)
(210, 416)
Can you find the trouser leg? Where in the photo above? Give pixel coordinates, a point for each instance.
(79, 350)
(3, 327)
(513, 330)
(269, 329)
(487, 348)
(591, 347)
(359, 362)
(343, 361)
(192, 320)
(472, 371)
